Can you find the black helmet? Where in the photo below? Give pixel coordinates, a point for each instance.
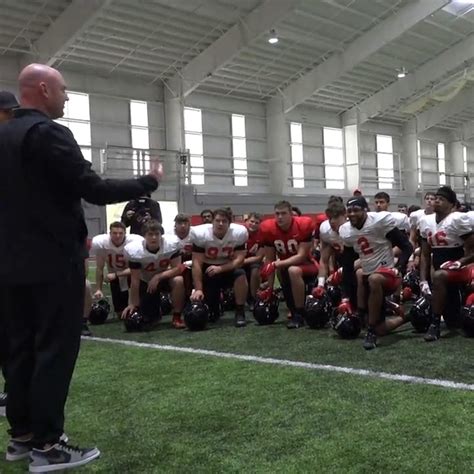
(265, 310)
(348, 326)
(196, 315)
(335, 294)
(134, 322)
(420, 314)
(317, 311)
(228, 300)
(99, 312)
(165, 304)
(467, 320)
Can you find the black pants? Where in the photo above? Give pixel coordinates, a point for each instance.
(44, 323)
(285, 282)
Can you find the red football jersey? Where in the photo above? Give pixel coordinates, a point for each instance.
(286, 243)
(318, 220)
(253, 243)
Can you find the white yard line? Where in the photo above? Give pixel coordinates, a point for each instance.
(290, 363)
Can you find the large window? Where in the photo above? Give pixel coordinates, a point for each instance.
(333, 158)
(77, 118)
(464, 158)
(140, 136)
(296, 144)
(193, 139)
(385, 173)
(239, 150)
(440, 153)
(418, 161)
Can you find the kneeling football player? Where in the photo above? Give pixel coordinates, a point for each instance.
(253, 261)
(155, 266)
(109, 251)
(371, 236)
(289, 238)
(218, 255)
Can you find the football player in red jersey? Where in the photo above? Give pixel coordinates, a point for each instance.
(218, 255)
(290, 239)
(372, 236)
(253, 260)
(447, 245)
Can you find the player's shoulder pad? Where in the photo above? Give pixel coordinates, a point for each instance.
(239, 232)
(198, 232)
(134, 250)
(99, 241)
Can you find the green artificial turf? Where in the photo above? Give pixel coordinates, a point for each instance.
(152, 411)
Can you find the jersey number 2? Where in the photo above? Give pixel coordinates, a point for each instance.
(364, 246)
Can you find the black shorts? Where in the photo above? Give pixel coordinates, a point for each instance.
(119, 297)
(212, 286)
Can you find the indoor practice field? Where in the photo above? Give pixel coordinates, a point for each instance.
(182, 412)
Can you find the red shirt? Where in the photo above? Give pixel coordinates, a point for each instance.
(253, 243)
(318, 220)
(286, 243)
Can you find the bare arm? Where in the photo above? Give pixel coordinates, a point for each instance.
(425, 261)
(99, 273)
(236, 262)
(326, 253)
(198, 260)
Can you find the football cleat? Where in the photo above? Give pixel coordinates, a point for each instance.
(296, 322)
(433, 333)
(370, 341)
(177, 322)
(239, 320)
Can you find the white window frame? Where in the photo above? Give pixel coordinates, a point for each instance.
(82, 119)
(140, 138)
(385, 174)
(441, 156)
(297, 155)
(239, 150)
(418, 161)
(333, 182)
(464, 158)
(193, 133)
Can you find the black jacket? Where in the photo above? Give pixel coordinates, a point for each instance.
(145, 209)
(43, 177)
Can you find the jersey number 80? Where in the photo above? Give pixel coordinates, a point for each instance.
(291, 246)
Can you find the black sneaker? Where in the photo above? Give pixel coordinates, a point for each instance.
(85, 330)
(239, 320)
(18, 450)
(370, 341)
(433, 333)
(3, 399)
(61, 456)
(295, 322)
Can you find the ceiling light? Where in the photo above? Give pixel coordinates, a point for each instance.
(273, 38)
(401, 73)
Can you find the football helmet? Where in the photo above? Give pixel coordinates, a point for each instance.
(317, 311)
(99, 312)
(347, 325)
(134, 322)
(334, 294)
(410, 286)
(196, 315)
(420, 314)
(467, 320)
(265, 310)
(165, 304)
(228, 300)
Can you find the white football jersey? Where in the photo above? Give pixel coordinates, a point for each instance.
(444, 237)
(374, 249)
(185, 244)
(152, 263)
(102, 246)
(219, 251)
(330, 237)
(401, 221)
(446, 233)
(471, 218)
(415, 217)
